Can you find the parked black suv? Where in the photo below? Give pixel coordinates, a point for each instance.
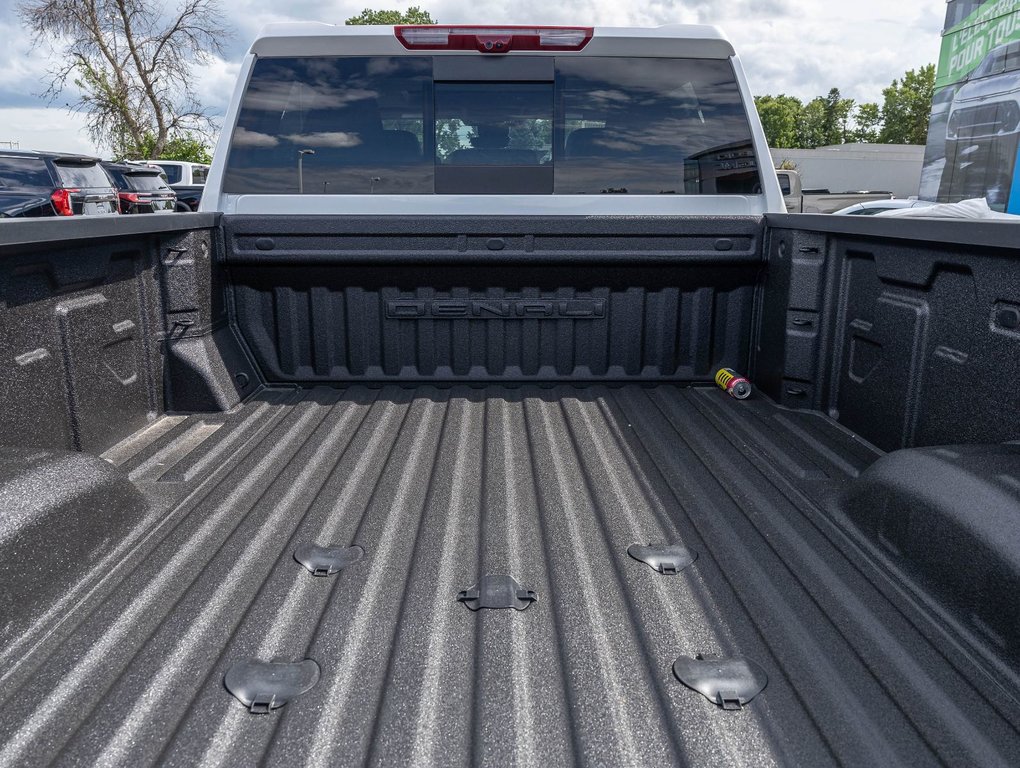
(54, 184)
(141, 188)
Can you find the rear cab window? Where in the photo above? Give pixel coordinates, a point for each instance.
(29, 173)
(565, 126)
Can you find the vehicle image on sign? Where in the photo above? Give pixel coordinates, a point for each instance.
(988, 103)
(34, 184)
(942, 103)
(875, 207)
(141, 189)
(983, 130)
(584, 454)
(935, 148)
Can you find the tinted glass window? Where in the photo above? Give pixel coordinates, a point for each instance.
(83, 176)
(118, 178)
(174, 173)
(198, 174)
(958, 10)
(364, 125)
(944, 97)
(145, 181)
(334, 126)
(1013, 57)
(652, 126)
(24, 173)
(784, 184)
(494, 123)
(993, 64)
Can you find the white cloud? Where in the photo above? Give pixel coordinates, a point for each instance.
(22, 69)
(214, 83)
(798, 47)
(334, 139)
(245, 138)
(45, 128)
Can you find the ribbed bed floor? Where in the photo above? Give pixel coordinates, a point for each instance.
(441, 486)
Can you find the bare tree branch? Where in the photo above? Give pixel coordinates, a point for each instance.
(130, 64)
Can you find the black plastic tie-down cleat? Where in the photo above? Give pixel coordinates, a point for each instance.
(325, 561)
(497, 592)
(668, 559)
(730, 683)
(263, 686)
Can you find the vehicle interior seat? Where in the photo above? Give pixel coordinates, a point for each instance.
(491, 146)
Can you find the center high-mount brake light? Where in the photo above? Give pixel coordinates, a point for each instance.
(61, 199)
(493, 39)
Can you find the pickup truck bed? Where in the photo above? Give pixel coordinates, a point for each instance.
(189, 399)
(551, 485)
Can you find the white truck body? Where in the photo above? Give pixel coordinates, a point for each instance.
(181, 173)
(325, 40)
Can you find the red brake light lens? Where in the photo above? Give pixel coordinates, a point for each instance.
(493, 39)
(131, 197)
(61, 199)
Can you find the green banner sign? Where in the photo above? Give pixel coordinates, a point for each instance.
(965, 46)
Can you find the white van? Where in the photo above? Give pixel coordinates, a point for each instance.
(483, 120)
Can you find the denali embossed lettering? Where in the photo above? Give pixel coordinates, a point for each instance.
(496, 309)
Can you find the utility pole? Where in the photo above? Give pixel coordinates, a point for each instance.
(300, 168)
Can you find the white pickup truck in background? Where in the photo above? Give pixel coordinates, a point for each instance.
(800, 200)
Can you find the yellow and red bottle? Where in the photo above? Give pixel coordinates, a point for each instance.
(734, 384)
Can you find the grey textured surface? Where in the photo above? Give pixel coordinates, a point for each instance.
(83, 314)
(60, 514)
(907, 339)
(424, 299)
(440, 486)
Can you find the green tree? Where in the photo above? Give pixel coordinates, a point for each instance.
(186, 147)
(779, 117)
(824, 121)
(811, 128)
(907, 107)
(837, 117)
(531, 134)
(132, 63)
(448, 132)
(413, 15)
(451, 135)
(867, 123)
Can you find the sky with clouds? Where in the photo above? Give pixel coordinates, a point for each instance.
(801, 48)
